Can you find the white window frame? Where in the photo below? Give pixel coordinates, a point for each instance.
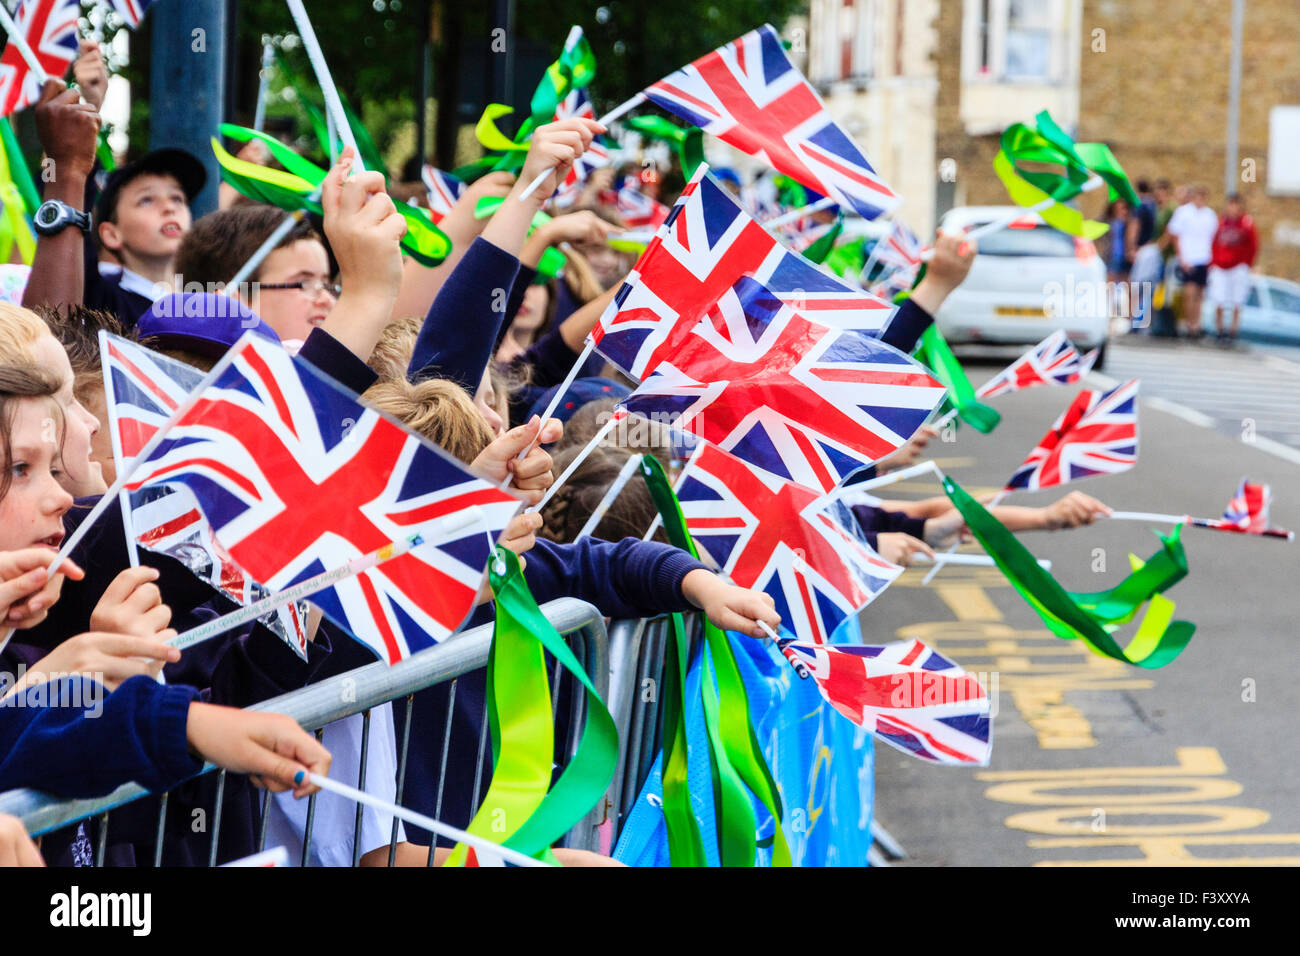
(1283, 142)
(999, 12)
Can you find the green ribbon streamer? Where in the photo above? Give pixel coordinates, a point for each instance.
(22, 176)
(935, 353)
(369, 152)
(1027, 187)
(290, 188)
(490, 135)
(521, 723)
(574, 70)
(687, 141)
(685, 844)
(819, 250)
(847, 260)
(16, 226)
(734, 747)
(1091, 617)
(1103, 162)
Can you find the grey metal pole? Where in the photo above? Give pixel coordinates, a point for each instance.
(188, 82)
(1230, 170)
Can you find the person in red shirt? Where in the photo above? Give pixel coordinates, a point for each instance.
(1232, 254)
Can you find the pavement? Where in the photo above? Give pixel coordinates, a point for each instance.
(1096, 762)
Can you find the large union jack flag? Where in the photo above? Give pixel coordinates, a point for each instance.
(296, 478)
(1052, 361)
(50, 28)
(908, 695)
(578, 104)
(749, 95)
(778, 537)
(707, 243)
(443, 189)
(808, 403)
(143, 389)
(1096, 435)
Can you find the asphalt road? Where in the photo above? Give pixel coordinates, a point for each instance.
(1096, 762)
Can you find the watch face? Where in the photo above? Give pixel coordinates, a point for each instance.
(47, 215)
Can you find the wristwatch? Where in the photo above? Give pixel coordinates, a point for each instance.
(54, 216)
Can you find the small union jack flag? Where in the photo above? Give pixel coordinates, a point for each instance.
(749, 95)
(50, 28)
(708, 243)
(443, 189)
(635, 208)
(1096, 435)
(907, 695)
(900, 249)
(296, 478)
(808, 403)
(1248, 509)
(1052, 361)
(774, 536)
(131, 11)
(578, 104)
(142, 390)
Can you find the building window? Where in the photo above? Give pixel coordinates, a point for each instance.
(1015, 40)
(1283, 147)
(843, 31)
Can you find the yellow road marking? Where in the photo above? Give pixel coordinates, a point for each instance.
(968, 602)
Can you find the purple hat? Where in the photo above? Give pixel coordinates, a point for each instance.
(202, 322)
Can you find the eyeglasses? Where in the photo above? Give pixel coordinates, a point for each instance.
(313, 287)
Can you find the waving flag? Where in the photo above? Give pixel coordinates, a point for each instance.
(578, 104)
(1096, 435)
(443, 189)
(911, 697)
(900, 249)
(296, 478)
(1052, 361)
(131, 11)
(778, 537)
(637, 210)
(142, 390)
(707, 243)
(808, 403)
(749, 95)
(50, 28)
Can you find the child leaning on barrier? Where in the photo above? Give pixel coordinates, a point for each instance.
(140, 731)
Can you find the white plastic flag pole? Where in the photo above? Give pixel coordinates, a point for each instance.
(333, 105)
(18, 40)
(426, 823)
(971, 560)
(574, 465)
(824, 203)
(902, 474)
(555, 403)
(605, 120)
(957, 544)
(263, 85)
(602, 508)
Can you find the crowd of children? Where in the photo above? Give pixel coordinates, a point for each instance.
(467, 353)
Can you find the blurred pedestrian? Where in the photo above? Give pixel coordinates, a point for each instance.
(1193, 226)
(1233, 254)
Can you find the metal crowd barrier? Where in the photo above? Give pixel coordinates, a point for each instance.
(323, 703)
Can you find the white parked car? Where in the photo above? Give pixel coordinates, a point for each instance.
(1271, 312)
(1027, 281)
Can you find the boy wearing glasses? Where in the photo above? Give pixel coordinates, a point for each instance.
(291, 291)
